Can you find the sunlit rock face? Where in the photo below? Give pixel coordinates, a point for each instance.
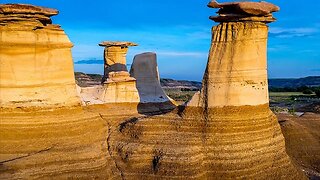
(212, 139)
(236, 73)
(36, 63)
(118, 86)
(227, 131)
(241, 136)
(36, 71)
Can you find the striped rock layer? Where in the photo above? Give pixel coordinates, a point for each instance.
(36, 66)
(114, 142)
(234, 106)
(220, 135)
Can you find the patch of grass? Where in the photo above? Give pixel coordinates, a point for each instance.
(285, 94)
(180, 96)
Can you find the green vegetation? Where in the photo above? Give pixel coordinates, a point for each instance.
(180, 96)
(317, 91)
(301, 89)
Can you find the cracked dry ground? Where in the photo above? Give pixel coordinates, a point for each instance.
(104, 142)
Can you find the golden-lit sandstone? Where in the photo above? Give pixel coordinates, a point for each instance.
(245, 137)
(212, 138)
(37, 72)
(119, 87)
(36, 66)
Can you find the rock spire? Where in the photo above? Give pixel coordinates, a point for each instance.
(119, 87)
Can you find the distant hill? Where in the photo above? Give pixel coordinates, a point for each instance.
(310, 81)
(86, 80)
(181, 84)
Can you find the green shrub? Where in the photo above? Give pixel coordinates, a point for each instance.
(317, 91)
(307, 91)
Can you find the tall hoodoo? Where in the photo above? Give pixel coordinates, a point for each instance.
(115, 54)
(236, 73)
(119, 86)
(36, 66)
(234, 103)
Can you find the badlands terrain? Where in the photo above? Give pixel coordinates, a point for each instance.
(299, 120)
(127, 127)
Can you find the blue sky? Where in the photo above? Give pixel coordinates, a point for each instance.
(179, 32)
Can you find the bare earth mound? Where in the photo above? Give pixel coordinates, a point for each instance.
(302, 135)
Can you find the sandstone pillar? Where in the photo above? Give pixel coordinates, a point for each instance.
(242, 136)
(36, 67)
(119, 86)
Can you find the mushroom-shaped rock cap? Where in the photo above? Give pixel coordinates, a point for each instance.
(26, 9)
(249, 8)
(117, 43)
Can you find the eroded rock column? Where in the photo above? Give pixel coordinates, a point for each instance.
(241, 136)
(36, 67)
(119, 86)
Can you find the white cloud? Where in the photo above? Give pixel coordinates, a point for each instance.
(292, 32)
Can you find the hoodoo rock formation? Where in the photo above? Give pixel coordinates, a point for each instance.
(37, 71)
(119, 86)
(242, 135)
(226, 132)
(145, 70)
(36, 66)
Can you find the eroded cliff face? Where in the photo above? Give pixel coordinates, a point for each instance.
(227, 131)
(36, 62)
(223, 137)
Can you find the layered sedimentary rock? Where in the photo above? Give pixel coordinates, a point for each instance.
(119, 86)
(215, 138)
(244, 11)
(226, 132)
(243, 135)
(35, 55)
(115, 57)
(37, 71)
(62, 144)
(145, 70)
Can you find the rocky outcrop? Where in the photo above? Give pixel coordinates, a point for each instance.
(234, 103)
(115, 54)
(213, 138)
(145, 70)
(244, 11)
(119, 87)
(228, 133)
(36, 62)
(237, 67)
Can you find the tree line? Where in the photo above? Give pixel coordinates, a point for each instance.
(303, 89)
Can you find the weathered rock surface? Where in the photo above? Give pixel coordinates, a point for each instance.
(145, 70)
(115, 54)
(62, 144)
(36, 63)
(119, 87)
(237, 67)
(217, 138)
(234, 104)
(244, 11)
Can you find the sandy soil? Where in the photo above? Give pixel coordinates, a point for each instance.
(302, 135)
